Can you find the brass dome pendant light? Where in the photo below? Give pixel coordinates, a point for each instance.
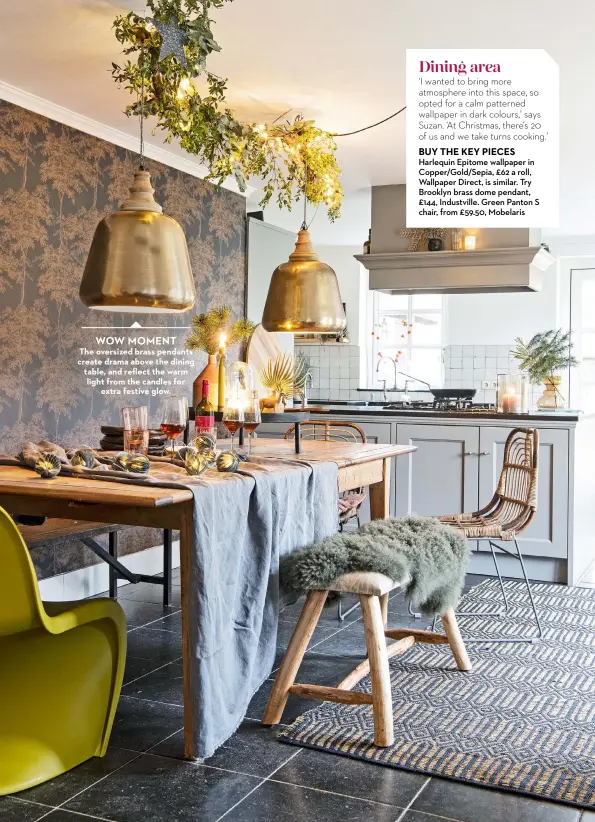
(304, 293)
(138, 260)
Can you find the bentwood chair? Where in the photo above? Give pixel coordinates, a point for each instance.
(508, 514)
(373, 590)
(61, 670)
(350, 502)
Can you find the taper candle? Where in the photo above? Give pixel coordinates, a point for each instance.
(221, 394)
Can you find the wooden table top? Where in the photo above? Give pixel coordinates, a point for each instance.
(18, 481)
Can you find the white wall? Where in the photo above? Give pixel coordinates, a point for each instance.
(496, 319)
(268, 247)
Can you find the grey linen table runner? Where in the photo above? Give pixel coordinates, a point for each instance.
(243, 523)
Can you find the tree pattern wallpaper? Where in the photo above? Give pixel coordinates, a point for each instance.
(56, 184)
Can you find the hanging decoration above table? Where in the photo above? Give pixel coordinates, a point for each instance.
(175, 42)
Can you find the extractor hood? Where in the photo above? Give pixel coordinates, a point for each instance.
(458, 272)
(505, 260)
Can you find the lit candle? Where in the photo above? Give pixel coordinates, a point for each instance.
(221, 394)
(469, 242)
(510, 402)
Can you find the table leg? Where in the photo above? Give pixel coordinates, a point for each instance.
(186, 541)
(380, 494)
(298, 437)
(113, 576)
(167, 561)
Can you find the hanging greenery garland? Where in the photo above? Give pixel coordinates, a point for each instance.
(169, 50)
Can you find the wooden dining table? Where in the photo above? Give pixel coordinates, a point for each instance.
(94, 500)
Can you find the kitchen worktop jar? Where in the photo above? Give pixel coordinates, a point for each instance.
(513, 394)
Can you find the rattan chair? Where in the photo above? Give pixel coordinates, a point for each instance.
(350, 502)
(508, 513)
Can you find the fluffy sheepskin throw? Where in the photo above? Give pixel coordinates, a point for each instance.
(428, 558)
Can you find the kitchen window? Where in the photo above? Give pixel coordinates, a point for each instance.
(412, 325)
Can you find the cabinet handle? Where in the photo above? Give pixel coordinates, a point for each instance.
(484, 454)
(476, 453)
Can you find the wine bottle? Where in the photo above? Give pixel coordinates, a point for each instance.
(204, 421)
(368, 243)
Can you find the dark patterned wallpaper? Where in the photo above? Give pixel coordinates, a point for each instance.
(56, 184)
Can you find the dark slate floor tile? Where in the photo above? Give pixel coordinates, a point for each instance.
(136, 667)
(60, 815)
(148, 592)
(315, 669)
(285, 630)
(468, 803)
(416, 816)
(252, 749)
(155, 788)
(279, 802)
(351, 777)
(151, 643)
(328, 618)
(165, 684)
(170, 622)
(348, 642)
(140, 724)
(143, 613)
(15, 810)
(63, 787)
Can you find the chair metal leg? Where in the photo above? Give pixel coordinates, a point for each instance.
(113, 576)
(504, 597)
(519, 639)
(529, 591)
(413, 613)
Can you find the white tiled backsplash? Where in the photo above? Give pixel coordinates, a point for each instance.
(335, 370)
(467, 366)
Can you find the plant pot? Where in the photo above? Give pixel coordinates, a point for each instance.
(551, 397)
(211, 373)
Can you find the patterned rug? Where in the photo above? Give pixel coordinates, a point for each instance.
(522, 720)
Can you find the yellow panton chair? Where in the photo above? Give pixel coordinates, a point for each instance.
(61, 669)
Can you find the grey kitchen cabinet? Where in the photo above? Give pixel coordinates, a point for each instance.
(377, 433)
(547, 535)
(441, 477)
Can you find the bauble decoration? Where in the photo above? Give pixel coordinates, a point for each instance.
(47, 466)
(227, 462)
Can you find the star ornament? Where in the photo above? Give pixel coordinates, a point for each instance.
(173, 40)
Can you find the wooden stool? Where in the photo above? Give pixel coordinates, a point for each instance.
(373, 590)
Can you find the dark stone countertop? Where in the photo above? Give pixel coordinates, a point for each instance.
(363, 410)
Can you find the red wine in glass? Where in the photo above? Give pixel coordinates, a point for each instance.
(174, 419)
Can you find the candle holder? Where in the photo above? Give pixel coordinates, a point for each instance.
(513, 394)
(469, 242)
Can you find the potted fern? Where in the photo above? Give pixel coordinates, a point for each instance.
(543, 357)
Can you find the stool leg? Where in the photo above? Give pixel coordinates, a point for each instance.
(113, 576)
(293, 656)
(382, 702)
(457, 646)
(384, 609)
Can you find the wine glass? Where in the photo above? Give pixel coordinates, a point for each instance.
(174, 419)
(233, 420)
(252, 418)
